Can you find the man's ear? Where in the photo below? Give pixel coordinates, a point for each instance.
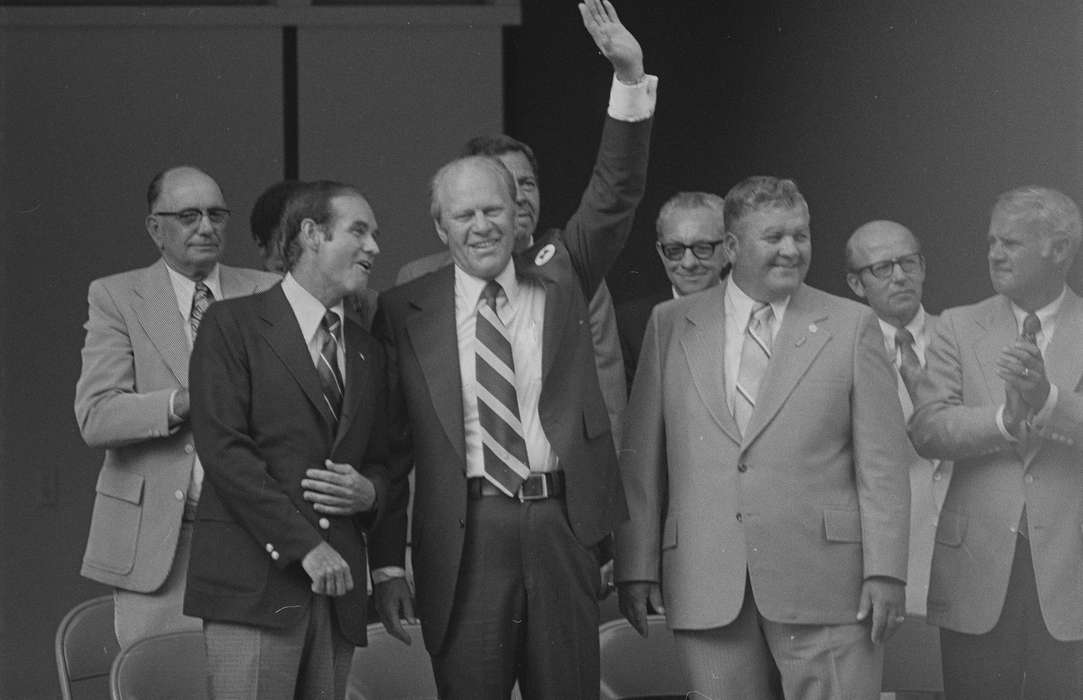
(1060, 248)
(310, 234)
(856, 285)
(154, 230)
(440, 232)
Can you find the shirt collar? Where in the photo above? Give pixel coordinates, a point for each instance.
(1047, 314)
(307, 309)
(916, 328)
(470, 288)
(743, 304)
(185, 287)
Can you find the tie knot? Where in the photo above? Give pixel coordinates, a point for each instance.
(330, 323)
(762, 313)
(1032, 325)
(903, 338)
(490, 293)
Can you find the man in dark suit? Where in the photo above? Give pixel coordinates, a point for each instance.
(690, 229)
(496, 402)
(1002, 396)
(132, 400)
(287, 389)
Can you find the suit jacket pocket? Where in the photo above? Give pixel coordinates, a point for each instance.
(951, 529)
(118, 514)
(669, 534)
(842, 525)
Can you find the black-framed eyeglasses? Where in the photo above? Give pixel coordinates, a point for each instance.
(190, 217)
(703, 250)
(882, 270)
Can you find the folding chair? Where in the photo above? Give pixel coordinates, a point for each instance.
(633, 667)
(163, 667)
(85, 646)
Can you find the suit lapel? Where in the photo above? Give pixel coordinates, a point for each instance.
(704, 342)
(155, 305)
(797, 343)
(284, 336)
(435, 343)
(557, 299)
(1062, 354)
(1000, 330)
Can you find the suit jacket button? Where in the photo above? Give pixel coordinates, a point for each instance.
(738, 517)
(1029, 479)
(270, 548)
(324, 522)
(462, 523)
(742, 467)
(188, 449)
(274, 555)
(179, 495)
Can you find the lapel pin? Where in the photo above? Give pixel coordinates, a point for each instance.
(812, 328)
(799, 342)
(361, 355)
(545, 254)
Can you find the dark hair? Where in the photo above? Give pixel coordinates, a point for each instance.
(498, 145)
(757, 193)
(310, 200)
(267, 211)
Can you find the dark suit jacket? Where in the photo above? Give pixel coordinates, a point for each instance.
(260, 421)
(632, 316)
(417, 320)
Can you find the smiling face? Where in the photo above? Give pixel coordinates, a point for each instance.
(476, 216)
(343, 250)
(770, 250)
(689, 227)
(190, 249)
(897, 298)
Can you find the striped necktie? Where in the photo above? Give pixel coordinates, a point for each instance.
(755, 354)
(506, 462)
(909, 364)
(202, 298)
(327, 363)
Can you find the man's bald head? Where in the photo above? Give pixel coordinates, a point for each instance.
(885, 267)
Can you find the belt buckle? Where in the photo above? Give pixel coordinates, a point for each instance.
(534, 488)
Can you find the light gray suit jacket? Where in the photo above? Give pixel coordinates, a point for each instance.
(135, 356)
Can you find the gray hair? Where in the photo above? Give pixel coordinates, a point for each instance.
(491, 162)
(688, 201)
(1052, 208)
(760, 192)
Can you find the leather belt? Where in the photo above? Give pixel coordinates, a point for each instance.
(537, 487)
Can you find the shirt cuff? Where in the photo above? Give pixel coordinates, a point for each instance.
(633, 103)
(387, 573)
(1000, 426)
(1042, 416)
(173, 414)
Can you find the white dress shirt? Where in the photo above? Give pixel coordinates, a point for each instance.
(309, 312)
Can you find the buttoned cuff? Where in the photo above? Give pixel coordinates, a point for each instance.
(173, 414)
(387, 573)
(633, 103)
(1000, 426)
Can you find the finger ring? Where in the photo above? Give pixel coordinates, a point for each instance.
(1026, 371)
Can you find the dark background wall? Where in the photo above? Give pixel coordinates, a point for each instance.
(921, 112)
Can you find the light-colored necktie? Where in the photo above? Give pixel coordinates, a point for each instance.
(202, 298)
(327, 363)
(506, 463)
(909, 364)
(755, 355)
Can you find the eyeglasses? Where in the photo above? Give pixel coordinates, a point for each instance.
(191, 217)
(882, 270)
(703, 250)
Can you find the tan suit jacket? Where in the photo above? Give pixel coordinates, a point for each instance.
(135, 356)
(810, 501)
(993, 478)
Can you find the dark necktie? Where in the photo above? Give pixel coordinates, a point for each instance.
(755, 356)
(909, 364)
(503, 447)
(1032, 325)
(327, 365)
(200, 301)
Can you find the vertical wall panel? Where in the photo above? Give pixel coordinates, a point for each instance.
(89, 114)
(384, 107)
